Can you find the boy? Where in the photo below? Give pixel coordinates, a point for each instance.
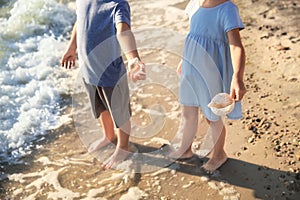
(101, 28)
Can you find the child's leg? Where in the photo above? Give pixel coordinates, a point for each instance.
(108, 129)
(107, 125)
(122, 150)
(218, 155)
(118, 100)
(190, 125)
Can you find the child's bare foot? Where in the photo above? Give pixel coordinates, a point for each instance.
(214, 163)
(118, 156)
(180, 154)
(98, 144)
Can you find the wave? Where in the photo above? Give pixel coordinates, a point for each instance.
(33, 36)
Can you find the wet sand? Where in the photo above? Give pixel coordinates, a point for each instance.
(263, 147)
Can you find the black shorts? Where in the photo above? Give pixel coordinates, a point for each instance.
(114, 99)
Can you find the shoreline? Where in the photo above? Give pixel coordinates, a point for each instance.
(263, 147)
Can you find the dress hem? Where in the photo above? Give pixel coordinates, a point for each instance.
(206, 114)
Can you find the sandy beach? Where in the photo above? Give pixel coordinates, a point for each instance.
(263, 147)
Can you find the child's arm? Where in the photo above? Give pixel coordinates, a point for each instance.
(179, 68)
(127, 41)
(238, 89)
(69, 57)
(128, 45)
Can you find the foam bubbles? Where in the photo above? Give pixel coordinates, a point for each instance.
(30, 77)
(134, 193)
(29, 17)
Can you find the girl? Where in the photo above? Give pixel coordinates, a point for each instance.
(213, 62)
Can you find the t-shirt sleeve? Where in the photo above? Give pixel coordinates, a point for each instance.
(122, 13)
(232, 19)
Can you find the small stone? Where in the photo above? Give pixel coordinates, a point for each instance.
(251, 139)
(238, 154)
(292, 162)
(284, 33)
(261, 122)
(280, 47)
(249, 126)
(245, 148)
(292, 79)
(277, 148)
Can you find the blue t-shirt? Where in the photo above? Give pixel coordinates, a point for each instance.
(99, 52)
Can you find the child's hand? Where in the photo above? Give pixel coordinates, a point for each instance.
(238, 89)
(68, 59)
(136, 70)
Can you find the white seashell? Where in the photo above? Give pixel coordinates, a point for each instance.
(222, 104)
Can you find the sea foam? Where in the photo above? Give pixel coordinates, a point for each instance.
(33, 36)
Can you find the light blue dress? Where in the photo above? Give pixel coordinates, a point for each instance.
(207, 67)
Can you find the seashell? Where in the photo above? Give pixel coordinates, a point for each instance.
(222, 104)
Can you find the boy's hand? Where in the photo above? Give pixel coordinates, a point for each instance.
(136, 70)
(68, 59)
(238, 89)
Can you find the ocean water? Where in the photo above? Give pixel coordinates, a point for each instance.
(33, 36)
